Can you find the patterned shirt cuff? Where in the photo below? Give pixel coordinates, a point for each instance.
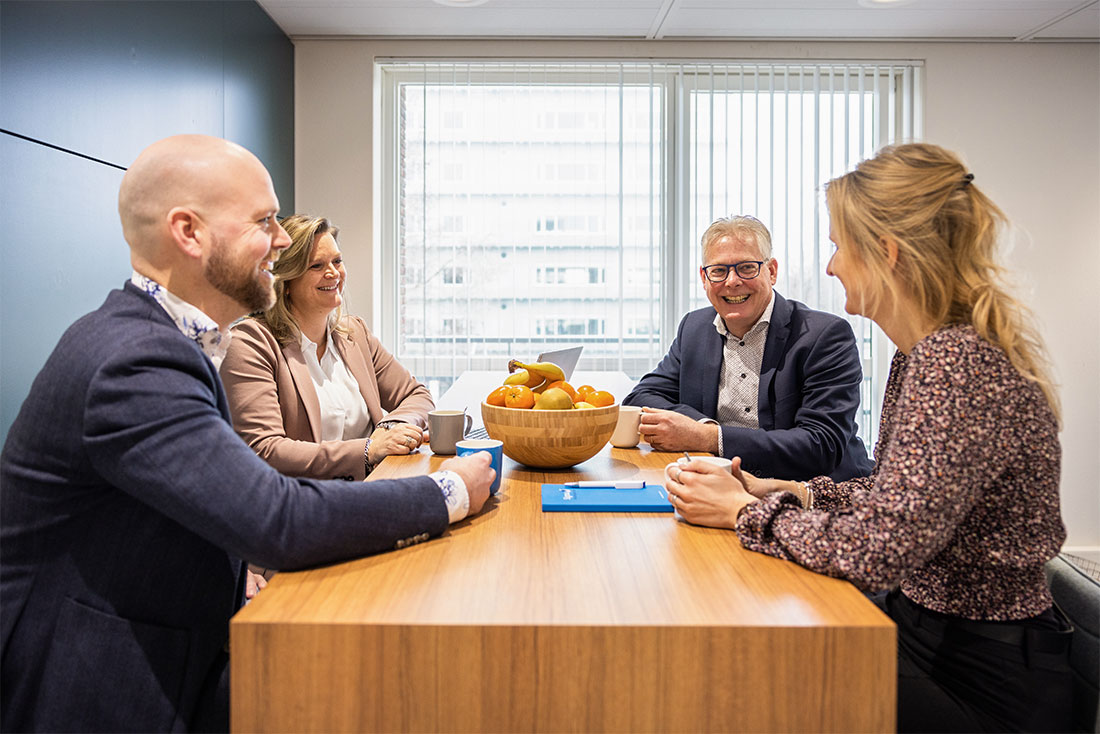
(712, 422)
(454, 494)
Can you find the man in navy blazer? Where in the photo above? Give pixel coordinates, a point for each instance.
(127, 501)
(757, 376)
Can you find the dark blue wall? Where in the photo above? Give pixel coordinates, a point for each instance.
(105, 79)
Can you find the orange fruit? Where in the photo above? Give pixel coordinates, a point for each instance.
(496, 397)
(582, 392)
(601, 398)
(564, 386)
(518, 396)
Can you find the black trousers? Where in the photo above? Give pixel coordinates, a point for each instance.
(958, 675)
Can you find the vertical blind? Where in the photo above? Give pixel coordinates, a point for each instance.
(527, 206)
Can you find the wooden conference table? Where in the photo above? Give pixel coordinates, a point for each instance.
(520, 621)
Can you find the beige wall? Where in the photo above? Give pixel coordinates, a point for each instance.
(1026, 117)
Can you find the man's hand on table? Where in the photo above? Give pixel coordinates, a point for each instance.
(254, 582)
(667, 430)
(477, 472)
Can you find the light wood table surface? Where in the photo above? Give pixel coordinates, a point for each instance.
(522, 621)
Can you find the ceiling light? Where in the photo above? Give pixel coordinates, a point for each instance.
(461, 3)
(877, 3)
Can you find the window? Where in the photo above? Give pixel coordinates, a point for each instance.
(570, 275)
(453, 326)
(452, 223)
(570, 327)
(452, 119)
(597, 180)
(453, 172)
(570, 224)
(639, 327)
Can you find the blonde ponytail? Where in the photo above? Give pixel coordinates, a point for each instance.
(922, 197)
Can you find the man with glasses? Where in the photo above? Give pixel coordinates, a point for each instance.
(755, 375)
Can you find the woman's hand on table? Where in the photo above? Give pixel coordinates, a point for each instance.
(477, 472)
(756, 486)
(705, 494)
(399, 439)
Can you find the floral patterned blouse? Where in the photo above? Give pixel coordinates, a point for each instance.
(962, 507)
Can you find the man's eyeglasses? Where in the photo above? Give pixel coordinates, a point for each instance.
(746, 270)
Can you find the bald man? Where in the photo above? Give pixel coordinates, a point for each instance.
(127, 502)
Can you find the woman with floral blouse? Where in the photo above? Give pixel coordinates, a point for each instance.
(961, 511)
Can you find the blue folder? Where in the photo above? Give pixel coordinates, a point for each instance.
(559, 498)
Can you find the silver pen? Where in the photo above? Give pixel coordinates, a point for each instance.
(630, 484)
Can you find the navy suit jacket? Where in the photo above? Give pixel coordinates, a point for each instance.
(809, 392)
(126, 505)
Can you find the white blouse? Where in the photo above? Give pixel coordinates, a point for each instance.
(344, 412)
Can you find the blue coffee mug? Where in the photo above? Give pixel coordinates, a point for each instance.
(491, 446)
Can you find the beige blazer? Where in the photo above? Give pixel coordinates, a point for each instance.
(275, 407)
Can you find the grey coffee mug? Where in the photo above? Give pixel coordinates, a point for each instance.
(446, 428)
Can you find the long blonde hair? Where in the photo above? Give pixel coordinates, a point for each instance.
(292, 264)
(923, 198)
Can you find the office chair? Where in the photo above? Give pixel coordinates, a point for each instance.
(1078, 595)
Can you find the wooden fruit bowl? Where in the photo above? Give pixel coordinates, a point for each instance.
(550, 439)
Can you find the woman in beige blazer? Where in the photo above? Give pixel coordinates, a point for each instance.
(311, 390)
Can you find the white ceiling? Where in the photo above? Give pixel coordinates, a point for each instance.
(1010, 20)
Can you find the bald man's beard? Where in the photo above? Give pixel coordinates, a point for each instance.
(242, 281)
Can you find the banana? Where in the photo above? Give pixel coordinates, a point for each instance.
(547, 370)
(522, 376)
(519, 377)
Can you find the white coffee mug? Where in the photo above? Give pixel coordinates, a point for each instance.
(712, 460)
(673, 469)
(626, 433)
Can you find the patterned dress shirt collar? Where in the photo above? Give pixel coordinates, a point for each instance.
(192, 323)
